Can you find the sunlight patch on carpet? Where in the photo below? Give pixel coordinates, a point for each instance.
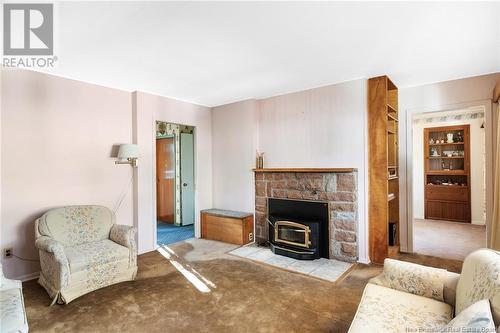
(196, 279)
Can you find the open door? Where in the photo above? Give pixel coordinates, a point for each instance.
(165, 179)
(187, 178)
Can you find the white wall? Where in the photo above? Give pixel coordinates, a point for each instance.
(235, 141)
(443, 96)
(148, 109)
(477, 166)
(57, 137)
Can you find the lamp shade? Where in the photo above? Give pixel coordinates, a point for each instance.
(128, 151)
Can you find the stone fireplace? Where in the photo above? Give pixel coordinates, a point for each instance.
(337, 187)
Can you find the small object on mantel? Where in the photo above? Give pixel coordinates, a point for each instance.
(227, 226)
(259, 160)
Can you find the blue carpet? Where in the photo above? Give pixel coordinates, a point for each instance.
(169, 233)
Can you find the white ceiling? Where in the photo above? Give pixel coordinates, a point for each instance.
(216, 53)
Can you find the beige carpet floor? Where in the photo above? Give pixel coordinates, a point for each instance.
(451, 240)
(245, 297)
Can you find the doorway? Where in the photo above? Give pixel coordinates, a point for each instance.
(175, 186)
(449, 187)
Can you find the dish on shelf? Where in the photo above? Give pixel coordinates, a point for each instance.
(446, 184)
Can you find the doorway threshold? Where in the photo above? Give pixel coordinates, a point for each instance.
(169, 233)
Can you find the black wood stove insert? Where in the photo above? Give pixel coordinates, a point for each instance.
(298, 229)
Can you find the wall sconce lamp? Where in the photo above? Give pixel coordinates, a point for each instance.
(128, 154)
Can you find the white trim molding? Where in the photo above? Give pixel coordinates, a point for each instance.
(481, 108)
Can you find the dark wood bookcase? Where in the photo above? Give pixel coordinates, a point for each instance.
(447, 173)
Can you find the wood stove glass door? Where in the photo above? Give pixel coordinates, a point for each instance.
(292, 233)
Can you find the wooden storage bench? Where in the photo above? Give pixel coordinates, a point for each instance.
(227, 226)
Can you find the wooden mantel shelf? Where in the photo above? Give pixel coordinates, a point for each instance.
(308, 170)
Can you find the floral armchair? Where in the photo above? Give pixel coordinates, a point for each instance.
(82, 249)
(407, 297)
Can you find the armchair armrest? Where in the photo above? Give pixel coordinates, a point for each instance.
(123, 235)
(450, 288)
(50, 245)
(416, 279)
(54, 263)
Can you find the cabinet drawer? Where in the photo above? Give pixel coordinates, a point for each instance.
(451, 211)
(447, 193)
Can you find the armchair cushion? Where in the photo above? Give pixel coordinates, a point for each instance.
(82, 256)
(385, 310)
(412, 278)
(476, 318)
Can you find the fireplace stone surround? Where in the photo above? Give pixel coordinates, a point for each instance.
(338, 187)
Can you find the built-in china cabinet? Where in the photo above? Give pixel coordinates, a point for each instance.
(447, 173)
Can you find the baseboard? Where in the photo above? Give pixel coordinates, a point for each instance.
(28, 277)
(143, 251)
(478, 222)
(364, 260)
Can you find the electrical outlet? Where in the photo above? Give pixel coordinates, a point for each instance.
(250, 237)
(7, 253)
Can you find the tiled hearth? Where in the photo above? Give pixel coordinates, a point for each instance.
(338, 188)
(325, 269)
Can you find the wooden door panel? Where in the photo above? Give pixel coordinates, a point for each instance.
(447, 193)
(165, 179)
(449, 211)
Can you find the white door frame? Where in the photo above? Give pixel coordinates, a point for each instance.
(407, 214)
(197, 227)
(184, 198)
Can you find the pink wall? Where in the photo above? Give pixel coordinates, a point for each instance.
(149, 108)
(56, 149)
(57, 135)
(234, 143)
(298, 129)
